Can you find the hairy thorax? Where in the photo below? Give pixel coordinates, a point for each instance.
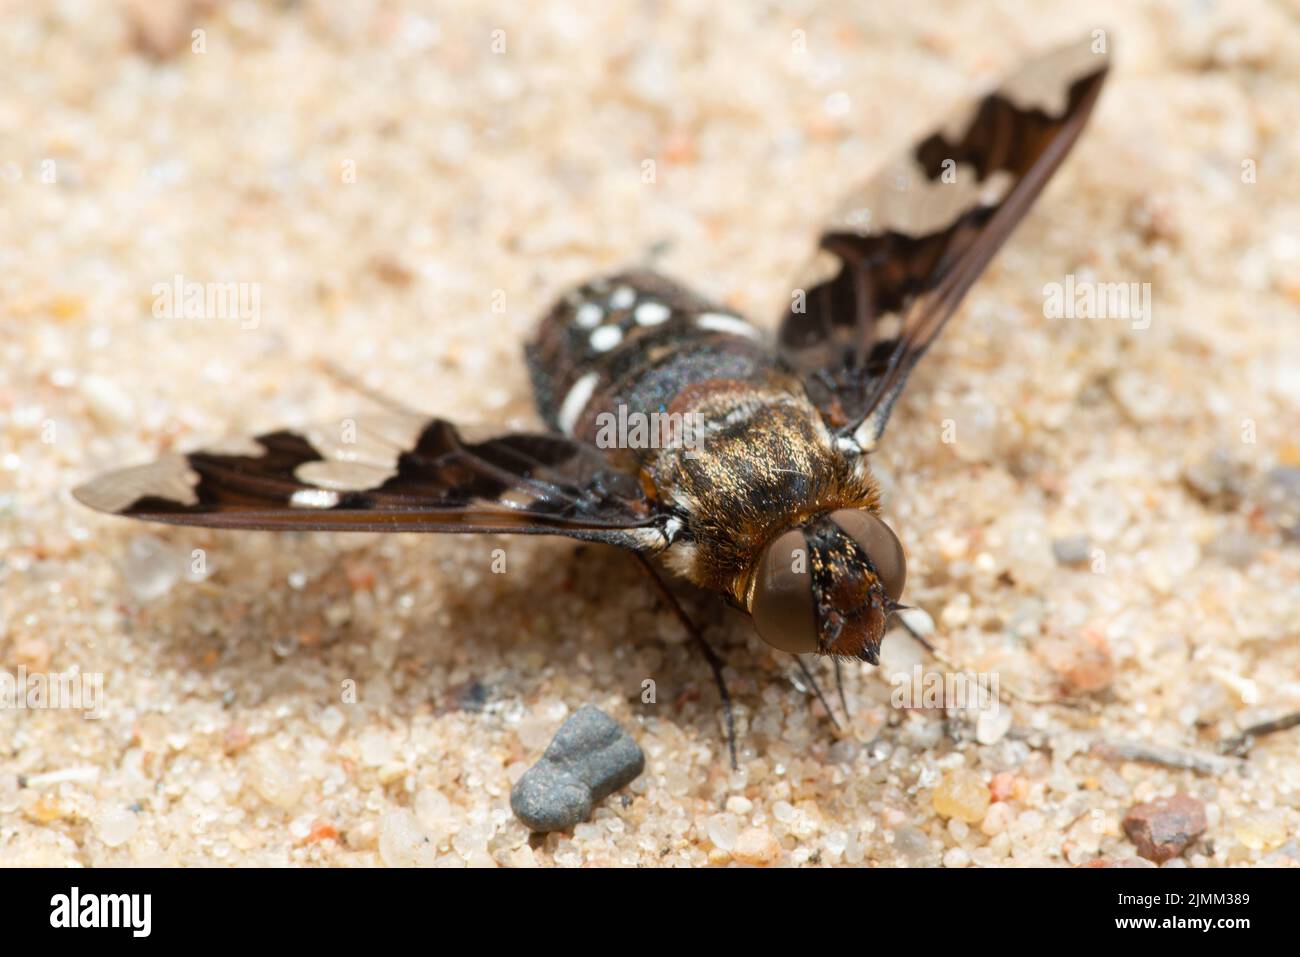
(763, 463)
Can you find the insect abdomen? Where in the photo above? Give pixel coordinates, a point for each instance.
(635, 341)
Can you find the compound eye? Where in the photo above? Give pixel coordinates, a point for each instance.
(881, 545)
(783, 599)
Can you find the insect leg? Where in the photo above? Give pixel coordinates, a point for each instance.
(1003, 691)
(347, 379)
(921, 640)
(839, 686)
(710, 655)
(817, 690)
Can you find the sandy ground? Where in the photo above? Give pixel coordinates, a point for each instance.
(385, 177)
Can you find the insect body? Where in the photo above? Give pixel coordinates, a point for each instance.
(764, 506)
(771, 502)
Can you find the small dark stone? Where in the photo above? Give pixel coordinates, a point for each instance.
(471, 696)
(1162, 829)
(474, 697)
(1072, 550)
(589, 758)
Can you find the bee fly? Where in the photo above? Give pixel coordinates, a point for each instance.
(773, 506)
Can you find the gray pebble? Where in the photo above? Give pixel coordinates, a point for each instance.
(589, 758)
(1072, 550)
(1281, 499)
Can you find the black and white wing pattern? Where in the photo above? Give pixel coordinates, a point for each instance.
(390, 472)
(903, 249)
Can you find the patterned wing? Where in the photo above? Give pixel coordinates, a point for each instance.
(901, 252)
(390, 473)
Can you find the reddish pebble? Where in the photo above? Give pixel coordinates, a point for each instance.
(322, 831)
(1162, 829)
(360, 577)
(235, 739)
(1003, 786)
(1083, 661)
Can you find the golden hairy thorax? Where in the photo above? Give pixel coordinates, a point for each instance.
(765, 463)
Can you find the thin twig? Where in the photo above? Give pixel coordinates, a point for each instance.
(1240, 745)
(1183, 759)
(1004, 691)
(1146, 752)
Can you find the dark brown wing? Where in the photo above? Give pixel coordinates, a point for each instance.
(390, 473)
(902, 250)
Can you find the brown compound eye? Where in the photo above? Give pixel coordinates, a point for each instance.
(782, 605)
(881, 545)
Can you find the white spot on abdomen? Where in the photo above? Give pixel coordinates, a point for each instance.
(577, 399)
(589, 315)
(652, 313)
(721, 322)
(605, 338)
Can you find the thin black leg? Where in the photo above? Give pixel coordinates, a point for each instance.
(839, 686)
(706, 649)
(348, 380)
(817, 691)
(919, 638)
(1004, 690)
